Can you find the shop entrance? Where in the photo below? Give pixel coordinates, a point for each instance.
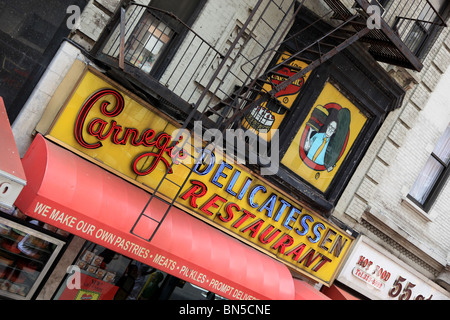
(102, 274)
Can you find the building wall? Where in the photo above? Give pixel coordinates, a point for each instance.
(218, 24)
(92, 21)
(374, 202)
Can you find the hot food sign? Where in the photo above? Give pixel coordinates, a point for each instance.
(121, 133)
(378, 275)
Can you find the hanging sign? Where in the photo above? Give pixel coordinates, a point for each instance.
(122, 134)
(268, 115)
(377, 274)
(325, 138)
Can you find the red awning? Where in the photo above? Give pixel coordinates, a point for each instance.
(336, 293)
(304, 291)
(75, 195)
(10, 160)
(12, 175)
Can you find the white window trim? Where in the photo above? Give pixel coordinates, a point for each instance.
(417, 210)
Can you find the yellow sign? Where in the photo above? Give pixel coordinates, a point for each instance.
(117, 131)
(269, 115)
(325, 138)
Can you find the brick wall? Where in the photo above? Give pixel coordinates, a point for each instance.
(92, 21)
(375, 203)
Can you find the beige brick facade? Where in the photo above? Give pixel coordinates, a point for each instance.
(375, 201)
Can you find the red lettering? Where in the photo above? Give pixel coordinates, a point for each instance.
(243, 218)
(297, 251)
(163, 148)
(361, 260)
(265, 237)
(253, 228)
(197, 190)
(98, 132)
(126, 135)
(229, 211)
(321, 263)
(88, 106)
(212, 203)
(147, 138)
(121, 136)
(309, 257)
(282, 243)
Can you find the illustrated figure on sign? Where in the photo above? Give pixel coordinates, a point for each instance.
(325, 137)
(318, 144)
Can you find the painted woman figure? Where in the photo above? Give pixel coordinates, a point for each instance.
(327, 136)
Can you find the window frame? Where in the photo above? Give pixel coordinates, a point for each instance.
(61, 240)
(166, 54)
(430, 34)
(329, 73)
(438, 185)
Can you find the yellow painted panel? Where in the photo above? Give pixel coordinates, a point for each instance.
(325, 138)
(111, 127)
(269, 115)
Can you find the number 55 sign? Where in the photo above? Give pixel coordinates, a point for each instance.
(378, 275)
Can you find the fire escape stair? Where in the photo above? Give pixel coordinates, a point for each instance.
(241, 101)
(385, 45)
(323, 49)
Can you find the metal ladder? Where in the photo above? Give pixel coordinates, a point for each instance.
(240, 102)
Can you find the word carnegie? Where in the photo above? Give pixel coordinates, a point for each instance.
(218, 188)
(257, 219)
(102, 130)
(90, 131)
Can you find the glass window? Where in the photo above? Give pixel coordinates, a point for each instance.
(102, 274)
(423, 28)
(147, 41)
(149, 31)
(433, 173)
(25, 257)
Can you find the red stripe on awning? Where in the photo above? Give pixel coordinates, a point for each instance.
(10, 159)
(12, 175)
(304, 291)
(336, 293)
(73, 194)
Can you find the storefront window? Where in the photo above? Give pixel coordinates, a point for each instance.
(25, 257)
(106, 275)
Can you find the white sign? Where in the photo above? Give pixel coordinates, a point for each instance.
(378, 275)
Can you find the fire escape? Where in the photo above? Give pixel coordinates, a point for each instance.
(392, 41)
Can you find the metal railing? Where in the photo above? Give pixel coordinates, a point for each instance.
(145, 34)
(148, 36)
(205, 75)
(414, 22)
